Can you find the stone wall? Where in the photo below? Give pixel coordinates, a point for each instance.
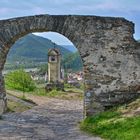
(111, 57)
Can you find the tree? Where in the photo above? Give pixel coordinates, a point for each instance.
(43, 69)
(20, 80)
(72, 61)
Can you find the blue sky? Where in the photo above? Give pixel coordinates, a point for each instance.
(130, 9)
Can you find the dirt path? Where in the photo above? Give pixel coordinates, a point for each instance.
(55, 119)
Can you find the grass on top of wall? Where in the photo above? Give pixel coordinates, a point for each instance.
(113, 125)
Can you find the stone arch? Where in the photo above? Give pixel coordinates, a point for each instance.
(105, 45)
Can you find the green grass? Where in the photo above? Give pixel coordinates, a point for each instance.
(69, 93)
(42, 92)
(111, 125)
(16, 106)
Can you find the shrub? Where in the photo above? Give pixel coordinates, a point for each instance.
(20, 80)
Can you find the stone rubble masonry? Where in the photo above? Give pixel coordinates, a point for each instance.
(110, 55)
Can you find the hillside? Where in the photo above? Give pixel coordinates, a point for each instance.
(32, 47)
(72, 61)
(70, 48)
(31, 51)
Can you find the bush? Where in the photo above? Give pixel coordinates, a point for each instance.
(20, 80)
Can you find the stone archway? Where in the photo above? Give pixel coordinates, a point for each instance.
(110, 54)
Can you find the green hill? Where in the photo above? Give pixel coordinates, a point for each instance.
(34, 48)
(31, 51)
(70, 48)
(72, 61)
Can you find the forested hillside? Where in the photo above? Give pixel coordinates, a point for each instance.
(32, 47)
(72, 61)
(31, 51)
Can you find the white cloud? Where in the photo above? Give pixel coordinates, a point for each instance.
(55, 37)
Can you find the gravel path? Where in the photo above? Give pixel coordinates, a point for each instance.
(54, 120)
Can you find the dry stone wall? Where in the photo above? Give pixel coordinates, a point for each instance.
(111, 56)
